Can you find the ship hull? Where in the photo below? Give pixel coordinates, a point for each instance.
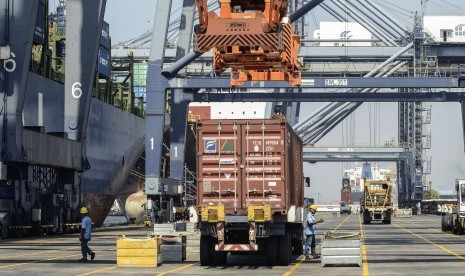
(115, 140)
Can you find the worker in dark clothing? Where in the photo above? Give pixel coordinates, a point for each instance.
(310, 227)
(86, 230)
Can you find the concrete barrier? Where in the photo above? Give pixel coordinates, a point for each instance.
(341, 249)
(403, 213)
(138, 252)
(173, 248)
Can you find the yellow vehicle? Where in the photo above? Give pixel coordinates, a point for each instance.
(376, 203)
(455, 220)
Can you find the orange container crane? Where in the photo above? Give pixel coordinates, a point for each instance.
(252, 37)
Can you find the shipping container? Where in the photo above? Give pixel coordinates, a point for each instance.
(346, 195)
(7, 190)
(250, 174)
(105, 36)
(61, 48)
(61, 12)
(259, 159)
(61, 19)
(199, 113)
(346, 191)
(140, 74)
(39, 31)
(103, 62)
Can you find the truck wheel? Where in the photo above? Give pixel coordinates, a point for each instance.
(205, 247)
(285, 250)
(460, 229)
(297, 247)
(443, 223)
(447, 222)
(217, 258)
(366, 217)
(3, 231)
(456, 227)
(387, 218)
(272, 251)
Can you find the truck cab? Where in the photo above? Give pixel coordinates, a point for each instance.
(460, 187)
(455, 221)
(345, 208)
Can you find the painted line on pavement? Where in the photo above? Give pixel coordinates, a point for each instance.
(365, 269)
(50, 259)
(439, 231)
(39, 261)
(98, 270)
(302, 258)
(443, 248)
(39, 253)
(175, 270)
(34, 241)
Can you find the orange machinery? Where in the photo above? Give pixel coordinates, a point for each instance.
(252, 37)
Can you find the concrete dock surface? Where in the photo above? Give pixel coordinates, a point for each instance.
(408, 246)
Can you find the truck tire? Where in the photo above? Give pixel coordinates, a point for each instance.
(297, 246)
(205, 254)
(366, 217)
(217, 258)
(460, 229)
(447, 222)
(272, 251)
(443, 223)
(285, 250)
(387, 218)
(3, 231)
(297, 242)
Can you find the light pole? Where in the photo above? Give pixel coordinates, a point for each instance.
(318, 198)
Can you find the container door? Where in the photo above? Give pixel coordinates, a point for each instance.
(219, 153)
(264, 166)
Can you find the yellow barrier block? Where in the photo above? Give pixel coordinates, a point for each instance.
(259, 213)
(213, 213)
(138, 252)
(138, 261)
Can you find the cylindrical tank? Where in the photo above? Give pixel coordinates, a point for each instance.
(136, 207)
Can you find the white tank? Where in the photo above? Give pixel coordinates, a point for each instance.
(136, 207)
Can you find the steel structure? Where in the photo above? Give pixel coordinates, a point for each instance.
(397, 56)
(57, 140)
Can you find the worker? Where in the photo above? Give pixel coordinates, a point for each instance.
(86, 229)
(310, 232)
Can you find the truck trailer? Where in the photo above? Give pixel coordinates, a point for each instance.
(250, 190)
(376, 202)
(455, 221)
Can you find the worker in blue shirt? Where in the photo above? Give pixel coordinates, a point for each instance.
(86, 230)
(310, 226)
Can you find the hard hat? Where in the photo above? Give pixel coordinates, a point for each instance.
(313, 206)
(84, 210)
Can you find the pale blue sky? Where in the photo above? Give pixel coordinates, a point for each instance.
(129, 19)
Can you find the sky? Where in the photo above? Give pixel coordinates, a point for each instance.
(129, 19)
